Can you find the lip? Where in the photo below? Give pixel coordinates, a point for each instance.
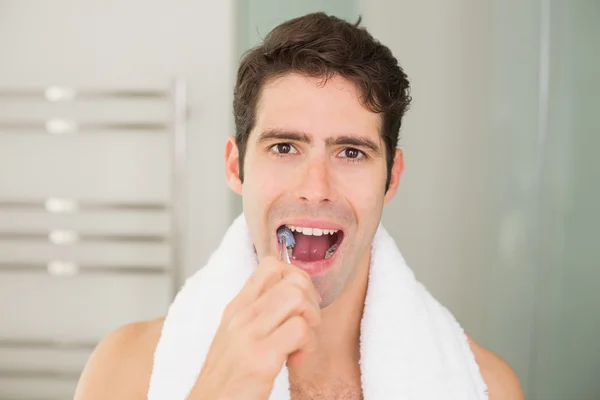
(313, 267)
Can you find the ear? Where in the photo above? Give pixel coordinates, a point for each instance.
(232, 166)
(396, 172)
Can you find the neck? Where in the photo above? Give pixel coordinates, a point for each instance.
(340, 321)
(338, 336)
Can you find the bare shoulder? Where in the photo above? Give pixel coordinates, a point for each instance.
(501, 380)
(121, 364)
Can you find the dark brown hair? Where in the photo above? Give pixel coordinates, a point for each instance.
(319, 45)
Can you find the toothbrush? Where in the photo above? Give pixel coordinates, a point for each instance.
(286, 241)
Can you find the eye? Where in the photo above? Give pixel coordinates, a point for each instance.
(283, 148)
(352, 153)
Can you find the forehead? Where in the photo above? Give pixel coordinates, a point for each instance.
(306, 104)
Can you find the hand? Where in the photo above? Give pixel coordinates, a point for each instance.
(272, 320)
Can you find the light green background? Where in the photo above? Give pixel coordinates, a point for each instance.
(257, 17)
(542, 309)
(566, 356)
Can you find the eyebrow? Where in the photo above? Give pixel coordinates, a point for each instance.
(354, 141)
(344, 140)
(277, 134)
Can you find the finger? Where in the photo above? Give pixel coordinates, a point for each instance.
(297, 357)
(283, 301)
(293, 337)
(300, 278)
(268, 273)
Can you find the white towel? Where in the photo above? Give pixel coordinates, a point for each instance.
(411, 346)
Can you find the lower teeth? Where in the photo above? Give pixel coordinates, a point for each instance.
(330, 251)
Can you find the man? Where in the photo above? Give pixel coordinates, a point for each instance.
(318, 108)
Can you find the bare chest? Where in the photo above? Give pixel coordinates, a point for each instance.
(338, 390)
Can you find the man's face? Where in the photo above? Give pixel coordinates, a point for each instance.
(315, 161)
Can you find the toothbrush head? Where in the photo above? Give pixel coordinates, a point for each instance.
(285, 235)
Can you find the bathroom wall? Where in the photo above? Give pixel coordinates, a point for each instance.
(139, 44)
(105, 45)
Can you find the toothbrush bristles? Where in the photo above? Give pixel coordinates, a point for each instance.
(285, 235)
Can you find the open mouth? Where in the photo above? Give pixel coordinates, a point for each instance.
(314, 244)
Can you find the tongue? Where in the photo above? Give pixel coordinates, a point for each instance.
(310, 248)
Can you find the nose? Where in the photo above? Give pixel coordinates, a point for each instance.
(315, 183)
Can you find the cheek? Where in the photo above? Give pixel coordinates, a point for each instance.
(263, 184)
(368, 205)
(363, 186)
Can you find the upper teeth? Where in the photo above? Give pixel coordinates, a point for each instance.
(312, 231)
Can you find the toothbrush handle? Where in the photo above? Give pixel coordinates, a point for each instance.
(283, 254)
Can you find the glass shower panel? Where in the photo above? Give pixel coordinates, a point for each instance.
(543, 308)
(566, 350)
